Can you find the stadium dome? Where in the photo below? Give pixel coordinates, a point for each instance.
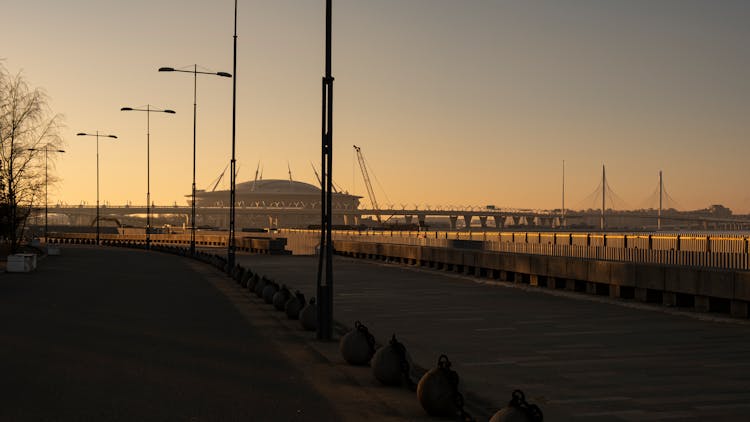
(277, 186)
(278, 203)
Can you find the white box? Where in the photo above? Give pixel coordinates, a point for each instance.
(21, 263)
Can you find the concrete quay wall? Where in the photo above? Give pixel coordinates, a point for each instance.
(705, 290)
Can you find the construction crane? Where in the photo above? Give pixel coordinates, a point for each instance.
(368, 184)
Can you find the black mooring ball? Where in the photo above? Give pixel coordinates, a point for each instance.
(436, 390)
(280, 298)
(308, 316)
(357, 345)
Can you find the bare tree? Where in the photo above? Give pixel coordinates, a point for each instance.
(26, 125)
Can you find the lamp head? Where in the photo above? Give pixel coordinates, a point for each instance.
(166, 69)
(126, 109)
(112, 136)
(224, 74)
(169, 111)
(80, 134)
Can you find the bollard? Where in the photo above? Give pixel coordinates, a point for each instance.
(358, 345)
(294, 305)
(259, 286)
(280, 298)
(438, 394)
(518, 410)
(268, 292)
(308, 316)
(246, 278)
(252, 282)
(391, 364)
(237, 273)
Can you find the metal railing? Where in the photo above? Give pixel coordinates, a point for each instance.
(721, 251)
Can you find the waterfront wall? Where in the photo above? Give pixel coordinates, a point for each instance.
(705, 290)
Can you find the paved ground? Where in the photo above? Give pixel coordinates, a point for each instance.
(103, 334)
(580, 358)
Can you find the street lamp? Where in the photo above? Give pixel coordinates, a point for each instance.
(325, 262)
(46, 207)
(148, 110)
(195, 73)
(233, 162)
(98, 135)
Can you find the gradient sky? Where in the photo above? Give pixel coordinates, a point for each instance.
(468, 102)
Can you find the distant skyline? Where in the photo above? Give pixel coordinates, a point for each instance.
(470, 102)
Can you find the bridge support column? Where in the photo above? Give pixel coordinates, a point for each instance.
(421, 218)
(499, 221)
(408, 219)
(453, 219)
(483, 221)
(467, 220)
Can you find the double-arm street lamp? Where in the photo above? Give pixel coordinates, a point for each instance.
(97, 135)
(46, 150)
(195, 73)
(148, 110)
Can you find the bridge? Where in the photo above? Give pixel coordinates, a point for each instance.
(299, 214)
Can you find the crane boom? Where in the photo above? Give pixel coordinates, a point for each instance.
(368, 184)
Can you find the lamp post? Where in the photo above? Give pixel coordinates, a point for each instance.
(148, 110)
(46, 202)
(195, 73)
(97, 135)
(233, 174)
(325, 263)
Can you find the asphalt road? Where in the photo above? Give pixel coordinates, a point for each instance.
(125, 335)
(581, 358)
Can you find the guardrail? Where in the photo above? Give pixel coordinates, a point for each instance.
(722, 251)
(719, 251)
(254, 244)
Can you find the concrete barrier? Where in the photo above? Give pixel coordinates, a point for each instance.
(706, 290)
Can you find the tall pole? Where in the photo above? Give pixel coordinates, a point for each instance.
(148, 176)
(325, 280)
(195, 73)
(97, 135)
(46, 183)
(46, 197)
(195, 114)
(562, 223)
(604, 195)
(232, 175)
(97, 187)
(661, 193)
(148, 111)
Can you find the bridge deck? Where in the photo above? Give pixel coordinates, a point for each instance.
(581, 358)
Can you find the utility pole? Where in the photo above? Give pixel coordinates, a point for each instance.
(325, 262)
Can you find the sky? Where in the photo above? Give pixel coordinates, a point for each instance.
(453, 102)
